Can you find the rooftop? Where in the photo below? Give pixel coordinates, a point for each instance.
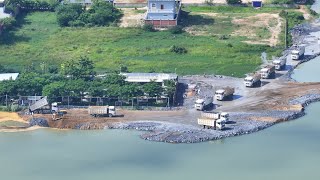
(147, 77)
(8, 76)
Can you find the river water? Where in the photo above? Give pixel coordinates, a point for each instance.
(288, 150)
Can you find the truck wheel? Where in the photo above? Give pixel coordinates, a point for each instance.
(110, 115)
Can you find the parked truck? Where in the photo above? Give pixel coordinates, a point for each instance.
(224, 93)
(280, 64)
(253, 80)
(297, 52)
(268, 72)
(203, 104)
(102, 111)
(213, 120)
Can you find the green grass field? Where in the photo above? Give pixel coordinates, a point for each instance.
(40, 39)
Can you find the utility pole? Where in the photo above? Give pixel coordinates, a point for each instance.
(286, 30)
(6, 100)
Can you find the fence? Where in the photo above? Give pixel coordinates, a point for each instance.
(68, 102)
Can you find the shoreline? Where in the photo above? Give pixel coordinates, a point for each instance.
(241, 122)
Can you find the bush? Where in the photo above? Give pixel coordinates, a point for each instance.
(178, 50)
(223, 37)
(8, 23)
(234, 1)
(101, 13)
(148, 28)
(176, 29)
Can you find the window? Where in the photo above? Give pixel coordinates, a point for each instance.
(153, 5)
(162, 6)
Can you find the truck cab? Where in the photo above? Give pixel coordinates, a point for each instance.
(199, 104)
(248, 81)
(265, 73)
(219, 94)
(220, 124)
(295, 54)
(112, 111)
(279, 64)
(224, 116)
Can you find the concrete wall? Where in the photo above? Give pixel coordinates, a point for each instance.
(162, 23)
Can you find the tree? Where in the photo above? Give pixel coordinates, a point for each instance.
(75, 87)
(153, 89)
(83, 68)
(131, 90)
(8, 87)
(115, 79)
(54, 89)
(67, 13)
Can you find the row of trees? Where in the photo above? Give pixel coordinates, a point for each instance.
(101, 13)
(77, 77)
(30, 5)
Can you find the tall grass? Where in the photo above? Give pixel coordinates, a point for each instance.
(39, 39)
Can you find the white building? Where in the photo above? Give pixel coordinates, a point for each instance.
(8, 76)
(148, 77)
(163, 12)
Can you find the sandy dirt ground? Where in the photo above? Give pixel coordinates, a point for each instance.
(249, 25)
(10, 116)
(14, 129)
(132, 17)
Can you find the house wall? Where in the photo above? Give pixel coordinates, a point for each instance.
(156, 13)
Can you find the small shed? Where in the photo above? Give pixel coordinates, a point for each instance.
(8, 76)
(257, 3)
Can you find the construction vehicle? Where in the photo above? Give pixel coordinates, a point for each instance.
(102, 111)
(203, 104)
(297, 52)
(214, 120)
(224, 93)
(253, 80)
(38, 104)
(280, 63)
(268, 72)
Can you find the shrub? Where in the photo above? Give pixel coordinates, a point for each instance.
(8, 23)
(223, 37)
(176, 29)
(148, 27)
(234, 1)
(178, 50)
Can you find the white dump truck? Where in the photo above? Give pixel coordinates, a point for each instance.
(42, 106)
(297, 52)
(213, 120)
(224, 93)
(202, 104)
(253, 80)
(268, 72)
(101, 111)
(280, 63)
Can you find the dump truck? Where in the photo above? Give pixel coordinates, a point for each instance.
(213, 120)
(38, 104)
(203, 104)
(102, 111)
(253, 80)
(280, 63)
(297, 52)
(268, 72)
(224, 93)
